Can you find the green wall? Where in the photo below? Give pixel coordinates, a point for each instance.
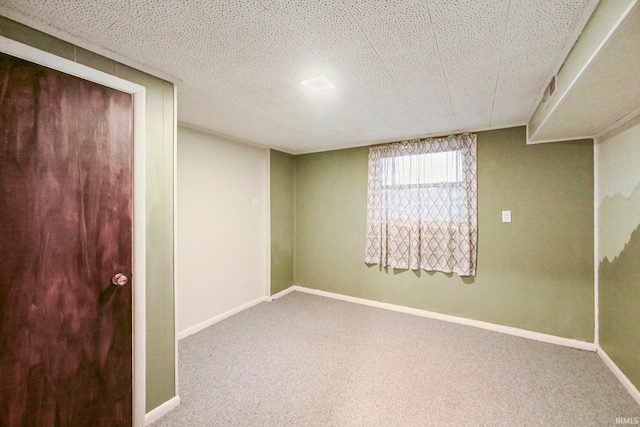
(619, 295)
(535, 273)
(618, 198)
(160, 331)
(282, 180)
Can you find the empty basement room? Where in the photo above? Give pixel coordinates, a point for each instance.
(319, 212)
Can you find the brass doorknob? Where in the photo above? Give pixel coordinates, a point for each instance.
(119, 279)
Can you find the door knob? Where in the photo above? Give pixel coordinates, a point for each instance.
(119, 279)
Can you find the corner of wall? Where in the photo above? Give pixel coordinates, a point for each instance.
(267, 222)
(295, 221)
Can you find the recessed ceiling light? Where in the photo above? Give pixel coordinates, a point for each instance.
(319, 83)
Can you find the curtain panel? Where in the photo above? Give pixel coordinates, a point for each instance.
(422, 205)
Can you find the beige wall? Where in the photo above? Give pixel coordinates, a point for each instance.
(222, 237)
(535, 273)
(618, 246)
(159, 118)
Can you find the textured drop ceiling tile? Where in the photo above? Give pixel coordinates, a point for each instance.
(508, 110)
(420, 81)
(365, 9)
(259, 53)
(192, 48)
(237, 108)
(279, 89)
(473, 120)
(428, 106)
(407, 126)
(406, 44)
(257, 105)
(365, 85)
(324, 27)
(406, 29)
(398, 65)
(547, 23)
(538, 32)
(440, 125)
(263, 35)
(360, 64)
(267, 42)
(356, 63)
(517, 93)
(223, 14)
(470, 35)
(472, 27)
(322, 115)
(192, 97)
(394, 108)
(81, 18)
(383, 103)
(170, 29)
(279, 82)
(300, 10)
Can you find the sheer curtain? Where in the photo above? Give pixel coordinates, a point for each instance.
(422, 205)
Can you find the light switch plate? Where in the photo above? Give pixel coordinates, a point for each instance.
(255, 202)
(506, 216)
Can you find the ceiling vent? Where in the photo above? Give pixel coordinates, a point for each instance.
(551, 89)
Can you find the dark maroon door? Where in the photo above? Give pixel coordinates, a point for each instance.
(65, 231)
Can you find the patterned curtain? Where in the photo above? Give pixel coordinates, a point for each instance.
(422, 205)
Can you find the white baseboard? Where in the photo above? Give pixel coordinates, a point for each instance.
(202, 325)
(567, 342)
(633, 391)
(162, 410)
(284, 292)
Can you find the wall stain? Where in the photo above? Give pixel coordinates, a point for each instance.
(618, 216)
(619, 285)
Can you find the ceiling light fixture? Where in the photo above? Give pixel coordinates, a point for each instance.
(319, 83)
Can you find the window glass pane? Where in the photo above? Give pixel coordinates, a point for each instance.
(417, 169)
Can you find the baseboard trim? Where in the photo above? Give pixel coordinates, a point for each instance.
(509, 330)
(283, 293)
(162, 410)
(626, 382)
(202, 325)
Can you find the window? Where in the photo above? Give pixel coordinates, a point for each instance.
(423, 169)
(422, 205)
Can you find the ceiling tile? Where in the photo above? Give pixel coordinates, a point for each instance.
(538, 37)
(323, 27)
(300, 10)
(366, 9)
(222, 14)
(81, 18)
(406, 44)
(143, 34)
(470, 35)
(400, 67)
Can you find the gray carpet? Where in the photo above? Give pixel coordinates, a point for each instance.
(305, 360)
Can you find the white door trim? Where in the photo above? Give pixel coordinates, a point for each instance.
(37, 56)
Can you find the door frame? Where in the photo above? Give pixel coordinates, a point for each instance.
(31, 54)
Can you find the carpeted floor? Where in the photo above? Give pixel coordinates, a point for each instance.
(306, 360)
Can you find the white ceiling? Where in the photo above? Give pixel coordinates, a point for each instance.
(402, 68)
